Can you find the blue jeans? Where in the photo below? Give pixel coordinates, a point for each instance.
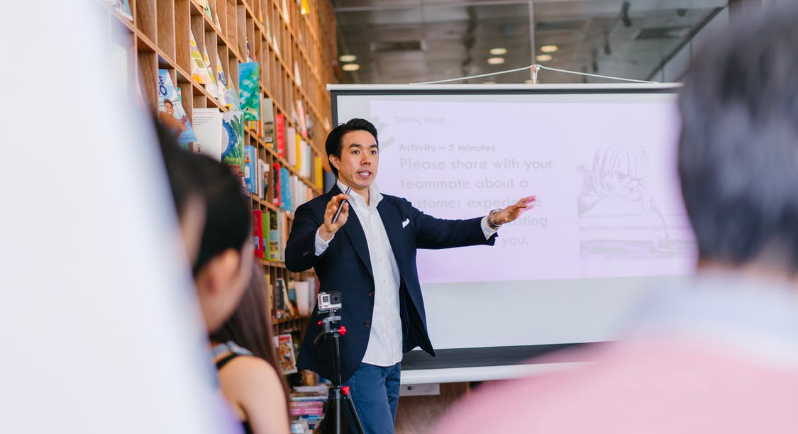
(375, 391)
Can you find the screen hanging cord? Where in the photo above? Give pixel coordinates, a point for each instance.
(537, 67)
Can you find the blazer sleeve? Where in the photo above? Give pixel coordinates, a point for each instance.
(435, 233)
(300, 249)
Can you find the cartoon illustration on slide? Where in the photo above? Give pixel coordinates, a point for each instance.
(619, 217)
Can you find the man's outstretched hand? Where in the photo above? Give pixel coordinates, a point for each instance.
(328, 228)
(514, 211)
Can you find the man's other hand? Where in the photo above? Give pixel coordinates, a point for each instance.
(514, 211)
(328, 229)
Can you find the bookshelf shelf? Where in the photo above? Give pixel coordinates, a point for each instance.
(299, 319)
(289, 47)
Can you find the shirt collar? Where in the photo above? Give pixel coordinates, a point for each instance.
(374, 195)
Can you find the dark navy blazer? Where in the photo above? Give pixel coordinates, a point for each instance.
(345, 267)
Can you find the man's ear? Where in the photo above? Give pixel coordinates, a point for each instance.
(334, 162)
(221, 270)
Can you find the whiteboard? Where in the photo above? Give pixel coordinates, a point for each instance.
(609, 228)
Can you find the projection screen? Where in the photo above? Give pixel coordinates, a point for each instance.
(609, 225)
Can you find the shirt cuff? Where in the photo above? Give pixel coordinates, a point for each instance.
(322, 245)
(485, 230)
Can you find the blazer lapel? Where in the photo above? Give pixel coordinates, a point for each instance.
(392, 221)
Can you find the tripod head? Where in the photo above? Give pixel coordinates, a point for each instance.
(329, 303)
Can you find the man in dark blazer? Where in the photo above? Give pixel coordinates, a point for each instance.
(372, 262)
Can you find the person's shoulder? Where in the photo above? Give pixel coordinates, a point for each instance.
(251, 372)
(396, 200)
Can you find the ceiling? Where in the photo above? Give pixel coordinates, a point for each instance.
(411, 41)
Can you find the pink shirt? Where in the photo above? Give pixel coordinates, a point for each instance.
(722, 362)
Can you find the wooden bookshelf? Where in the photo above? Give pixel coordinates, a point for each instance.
(295, 52)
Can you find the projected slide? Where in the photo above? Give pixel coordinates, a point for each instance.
(603, 174)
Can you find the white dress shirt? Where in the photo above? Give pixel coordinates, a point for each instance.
(385, 338)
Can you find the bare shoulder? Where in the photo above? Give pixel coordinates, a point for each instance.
(249, 369)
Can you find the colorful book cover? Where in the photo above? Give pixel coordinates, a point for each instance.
(284, 344)
(123, 7)
(170, 110)
(198, 71)
(276, 175)
(233, 140)
(285, 12)
(267, 116)
(303, 128)
(210, 85)
(285, 189)
(265, 227)
(274, 237)
(206, 8)
(249, 168)
(230, 96)
(297, 78)
(221, 82)
(279, 125)
(208, 129)
(290, 146)
(249, 83)
(257, 232)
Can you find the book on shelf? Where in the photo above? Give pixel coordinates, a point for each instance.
(265, 232)
(277, 199)
(210, 86)
(290, 145)
(285, 189)
(250, 169)
(297, 78)
(284, 307)
(286, 16)
(206, 8)
(259, 179)
(267, 116)
(284, 344)
(301, 116)
(230, 98)
(221, 83)
(257, 233)
(319, 166)
(171, 112)
(122, 7)
(249, 90)
(282, 234)
(279, 128)
(309, 125)
(198, 70)
(208, 129)
(233, 140)
(274, 237)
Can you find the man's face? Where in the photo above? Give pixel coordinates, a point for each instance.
(360, 157)
(169, 109)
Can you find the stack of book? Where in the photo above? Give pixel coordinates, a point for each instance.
(307, 407)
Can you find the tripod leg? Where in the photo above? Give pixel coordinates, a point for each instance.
(330, 415)
(353, 412)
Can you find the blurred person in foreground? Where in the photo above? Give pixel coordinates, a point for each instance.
(247, 365)
(719, 355)
(215, 223)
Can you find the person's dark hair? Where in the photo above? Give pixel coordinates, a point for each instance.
(168, 101)
(250, 326)
(738, 149)
(335, 138)
(181, 168)
(228, 214)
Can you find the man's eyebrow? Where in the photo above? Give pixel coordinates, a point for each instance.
(358, 145)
